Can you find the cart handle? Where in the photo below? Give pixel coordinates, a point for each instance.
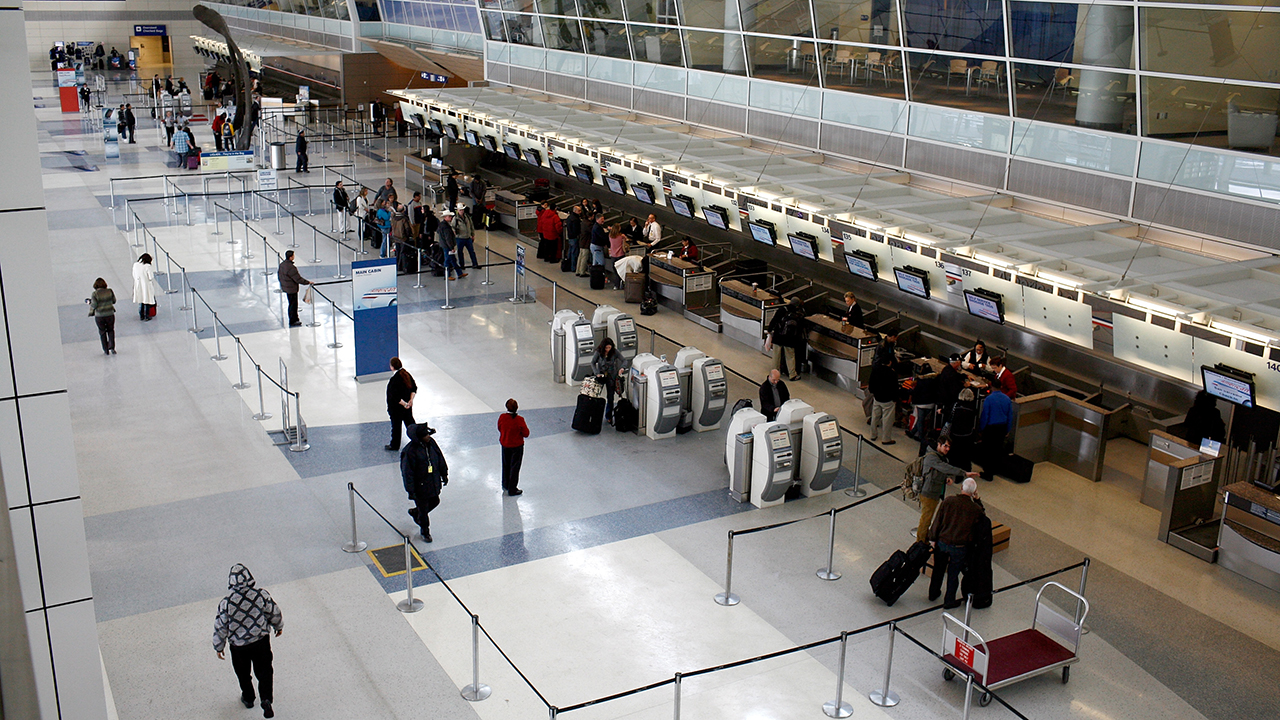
(970, 633)
(1068, 628)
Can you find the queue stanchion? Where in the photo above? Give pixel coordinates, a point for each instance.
(417, 276)
(168, 274)
(410, 604)
(245, 253)
(884, 697)
(266, 269)
(275, 204)
(195, 316)
(727, 598)
(486, 280)
(186, 303)
(315, 250)
(856, 490)
(676, 685)
(310, 212)
(217, 342)
(242, 385)
(355, 545)
(360, 240)
(333, 314)
(476, 691)
(216, 229)
(262, 413)
(838, 708)
(828, 572)
(231, 226)
(187, 201)
(293, 230)
(313, 322)
(447, 305)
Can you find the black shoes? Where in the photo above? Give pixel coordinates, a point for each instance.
(426, 536)
(951, 605)
(515, 492)
(295, 324)
(392, 448)
(267, 712)
(247, 703)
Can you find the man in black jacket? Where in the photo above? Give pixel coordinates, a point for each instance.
(773, 392)
(786, 337)
(341, 206)
(950, 383)
(424, 471)
(130, 123)
(300, 148)
(290, 279)
(883, 385)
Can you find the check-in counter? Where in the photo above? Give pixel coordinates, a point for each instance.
(421, 174)
(1068, 432)
(1249, 539)
(516, 211)
(841, 354)
(682, 281)
(745, 312)
(1179, 483)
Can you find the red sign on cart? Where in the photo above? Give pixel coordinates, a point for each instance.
(964, 652)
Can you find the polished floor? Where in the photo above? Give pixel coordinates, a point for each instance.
(599, 578)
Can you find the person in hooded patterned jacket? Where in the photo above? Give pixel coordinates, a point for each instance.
(246, 617)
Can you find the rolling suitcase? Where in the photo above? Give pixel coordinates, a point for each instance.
(193, 161)
(897, 574)
(635, 284)
(566, 264)
(1017, 468)
(589, 415)
(626, 418)
(597, 277)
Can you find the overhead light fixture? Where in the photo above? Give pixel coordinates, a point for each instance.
(868, 224)
(991, 260)
(809, 208)
(918, 238)
(1155, 307)
(766, 195)
(1242, 332)
(1059, 279)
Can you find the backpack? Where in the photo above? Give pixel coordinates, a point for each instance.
(649, 305)
(964, 420)
(913, 479)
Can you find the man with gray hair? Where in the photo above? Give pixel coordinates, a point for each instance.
(951, 534)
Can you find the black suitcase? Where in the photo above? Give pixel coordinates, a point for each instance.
(597, 277)
(589, 415)
(897, 574)
(566, 264)
(626, 418)
(1017, 468)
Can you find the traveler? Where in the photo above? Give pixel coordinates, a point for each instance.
(617, 251)
(362, 211)
(448, 243)
(246, 617)
(102, 308)
(550, 227)
(451, 189)
(950, 383)
(572, 229)
(300, 149)
(773, 392)
(144, 287)
(599, 240)
(388, 189)
(170, 124)
(218, 119)
(584, 240)
(993, 427)
(951, 534)
(182, 147)
(424, 472)
(341, 206)
(464, 232)
(382, 218)
(512, 430)
(883, 385)
(401, 390)
(938, 474)
(131, 123)
(608, 366)
(962, 427)
(290, 279)
(786, 337)
(1204, 420)
(415, 214)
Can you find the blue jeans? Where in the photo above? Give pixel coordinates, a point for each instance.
(467, 244)
(597, 255)
(450, 265)
(951, 559)
(386, 243)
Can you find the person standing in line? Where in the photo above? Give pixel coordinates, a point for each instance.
(290, 279)
(464, 232)
(216, 126)
(512, 430)
(424, 472)
(246, 617)
(572, 225)
(341, 203)
(102, 308)
(951, 534)
(362, 213)
(401, 391)
(451, 189)
(131, 123)
(938, 474)
(477, 189)
(584, 240)
(993, 427)
(599, 241)
(144, 287)
(448, 243)
(550, 227)
(608, 367)
(950, 382)
(388, 189)
(300, 149)
(415, 215)
(182, 148)
(170, 124)
(382, 218)
(785, 338)
(883, 385)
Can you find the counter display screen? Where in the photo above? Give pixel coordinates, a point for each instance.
(669, 378)
(715, 371)
(626, 325)
(615, 184)
(584, 173)
(780, 440)
(1231, 388)
(986, 305)
(862, 264)
(803, 246)
(683, 205)
(716, 216)
(451, 130)
(490, 143)
(643, 192)
(437, 127)
(533, 157)
(829, 430)
(560, 165)
(762, 231)
(512, 150)
(912, 281)
(472, 138)
(583, 331)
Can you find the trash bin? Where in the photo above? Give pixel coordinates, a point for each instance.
(278, 159)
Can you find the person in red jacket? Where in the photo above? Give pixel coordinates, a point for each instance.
(550, 228)
(512, 431)
(1004, 379)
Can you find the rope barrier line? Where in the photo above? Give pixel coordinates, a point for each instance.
(961, 673)
(375, 510)
(824, 513)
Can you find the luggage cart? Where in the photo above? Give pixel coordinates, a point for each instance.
(1052, 642)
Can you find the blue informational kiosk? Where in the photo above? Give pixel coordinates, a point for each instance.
(377, 327)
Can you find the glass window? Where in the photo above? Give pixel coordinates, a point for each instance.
(368, 11)
(1227, 173)
(522, 30)
(609, 69)
(601, 9)
(658, 77)
(606, 38)
(562, 33)
(958, 127)
(867, 112)
(716, 52)
(710, 14)
(657, 44)
(1216, 44)
(791, 61)
(804, 102)
(777, 17)
(1210, 113)
(870, 71)
(658, 12)
(518, 6)
(467, 18)
(558, 7)
(494, 28)
(1044, 31)
(970, 83)
(718, 87)
(566, 63)
(1077, 148)
(871, 21)
(961, 27)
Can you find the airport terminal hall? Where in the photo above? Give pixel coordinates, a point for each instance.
(640, 359)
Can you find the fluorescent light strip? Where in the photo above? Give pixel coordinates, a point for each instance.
(1059, 279)
(992, 260)
(1242, 332)
(921, 239)
(1155, 306)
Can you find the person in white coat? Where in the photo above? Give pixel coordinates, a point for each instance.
(144, 287)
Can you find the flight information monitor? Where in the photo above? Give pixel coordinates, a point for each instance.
(985, 304)
(437, 127)
(806, 246)
(643, 192)
(490, 143)
(763, 231)
(913, 281)
(862, 264)
(1233, 386)
(512, 150)
(683, 205)
(560, 165)
(472, 138)
(584, 173)
(533, 157)
(451, 130)
(616, 184)
(716, 216)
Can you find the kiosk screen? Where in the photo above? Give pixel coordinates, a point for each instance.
(666, 377)
(643, 192)
(583, 331)
(829, 430)
(715, 371)
(780, 439)
(626, 325)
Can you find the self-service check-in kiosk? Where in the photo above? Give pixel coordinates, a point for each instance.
(664, 400)
(685, 358)
(738, 451)
(792, 414)
(579, 347)
(622, 328)
(600, 322)
(559, 328)
(771, 466)
(710, 393)
(821, 451)
(638, 387)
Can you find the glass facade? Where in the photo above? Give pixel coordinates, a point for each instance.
(1207, 74)
(333, 9)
